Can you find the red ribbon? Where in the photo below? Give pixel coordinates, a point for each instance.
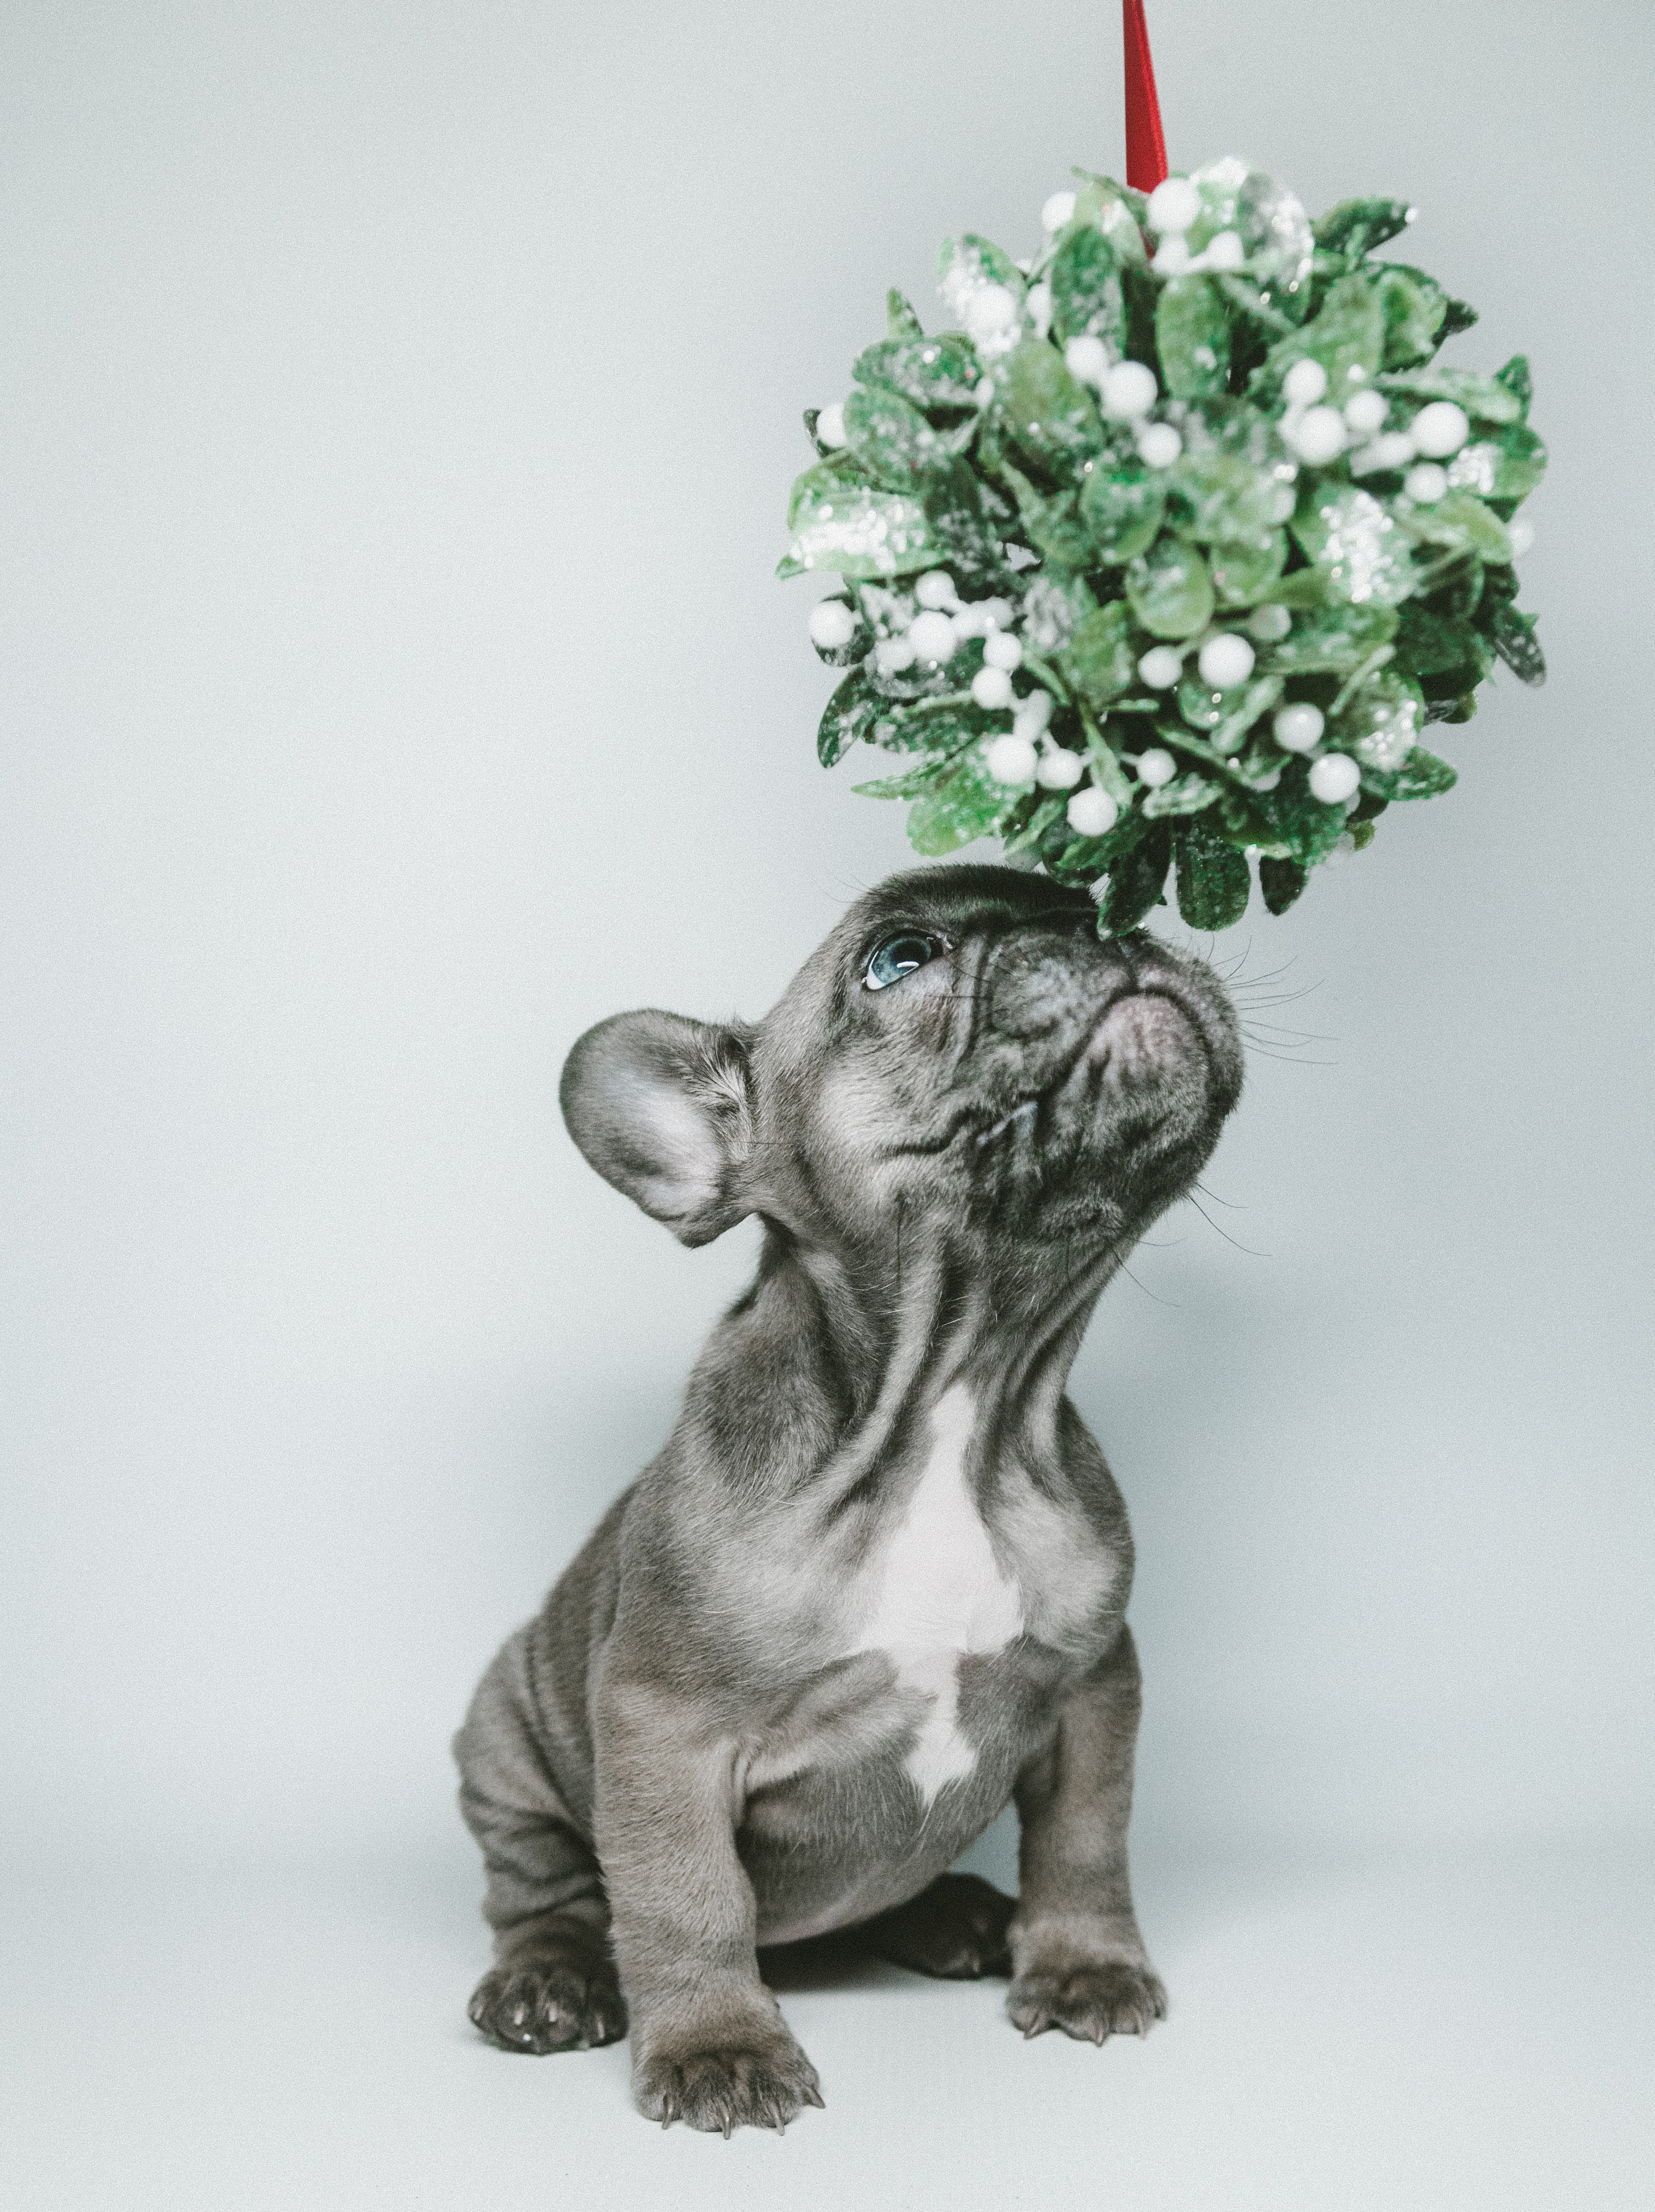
(1146, 149)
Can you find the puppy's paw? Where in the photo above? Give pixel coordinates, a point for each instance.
(564, 2000)
(1090, 1999)
(955, 1929)
(764, 2083)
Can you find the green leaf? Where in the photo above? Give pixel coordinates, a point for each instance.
(1378, 720)
(1430, 644)
(1184, 795)
(1281, 881)
(1241, 710)
(970, 805)
(1085, 288)
(1218, 495)
(1098, 659)
(1357, 543)
(1053, 524)
(1509, 465)
(1421, 775)
(1347, 334)
(1306, 828)
(1460, 317)
(940, 372)
(1412, 305)
(1213, 883)
(892, 440)
(1043, 825)
(1246, 298)
(1192, 335)
(1050, 416)
(1334, 641)
(1355, 227)
(856, 531)
(1461, 522)
(1135, 882)
(1304, 588)
(850, 713)
(1244, 574)
(1516, 643)
(1122, 510)
(824, 480)
(1170, 590)
(900, 320)
(1518, 382)
(1485, 397)
(957, 528)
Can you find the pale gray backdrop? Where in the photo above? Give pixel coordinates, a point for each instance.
(399, 407)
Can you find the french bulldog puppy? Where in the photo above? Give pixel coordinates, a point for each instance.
(875, 1584)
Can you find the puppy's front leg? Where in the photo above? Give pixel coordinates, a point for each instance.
(1079, 1960)
(709, 2044)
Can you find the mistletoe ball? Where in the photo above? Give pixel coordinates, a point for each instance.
(1167, 551)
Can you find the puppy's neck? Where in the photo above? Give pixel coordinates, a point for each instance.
(857, 1352)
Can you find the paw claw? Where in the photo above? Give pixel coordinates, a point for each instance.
(566, 1999)
(1090, 1999)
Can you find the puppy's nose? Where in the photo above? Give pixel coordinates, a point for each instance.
(1038, 979)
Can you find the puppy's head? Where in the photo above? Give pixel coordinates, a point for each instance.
(962, 1048)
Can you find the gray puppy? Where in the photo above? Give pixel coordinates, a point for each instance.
(875, 1585)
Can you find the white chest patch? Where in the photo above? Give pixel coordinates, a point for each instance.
(934, 1591)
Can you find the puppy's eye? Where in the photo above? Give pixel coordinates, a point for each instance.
(898, 957)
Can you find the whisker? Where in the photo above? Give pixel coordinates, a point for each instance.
(1191, 1199)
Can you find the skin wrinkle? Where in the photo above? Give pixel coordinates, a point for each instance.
(717, 1758)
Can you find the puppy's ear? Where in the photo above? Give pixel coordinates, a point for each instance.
(661, 1106)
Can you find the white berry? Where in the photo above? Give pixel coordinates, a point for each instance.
(1011, 759)
(1160, 667)
(1319, 435)
(1335, 778)
(1087, 358)
(1425, 481)
(1174, 204)
(1058, 211)
(1269, 625)
(1225, 660)
(1441, 428)
(1226, 251)
(1298, 728)
(1156, 767)
(1304, 383)
(992, 687)
(1521, 534)
(1172, 255)
(1130, 391)
(831, 424)
(894, 654)
(1366, 410)
(932, 636)
(991, 309)
(1092, 812)
(936, 589)
(1033, 713)
(1060, 770)
(1159, 445)
(1001, 650)
(1038, 304)
(831, 625)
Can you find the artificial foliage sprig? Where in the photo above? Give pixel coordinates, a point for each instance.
(1166, 553)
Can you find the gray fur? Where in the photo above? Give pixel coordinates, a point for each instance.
(695, 1750)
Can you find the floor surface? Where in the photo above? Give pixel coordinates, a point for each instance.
(1457, 2033)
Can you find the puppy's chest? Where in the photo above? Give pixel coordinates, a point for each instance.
(936, 1588)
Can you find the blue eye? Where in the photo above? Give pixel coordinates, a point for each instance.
(900, 956)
